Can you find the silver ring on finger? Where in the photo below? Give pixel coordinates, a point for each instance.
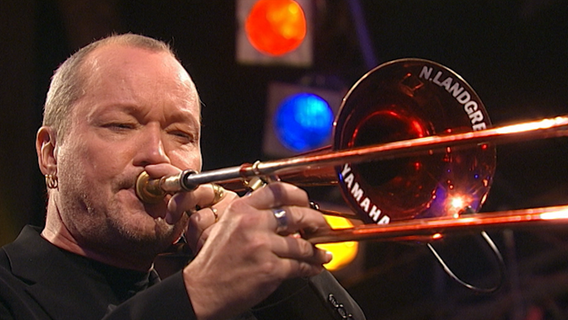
(281, 219)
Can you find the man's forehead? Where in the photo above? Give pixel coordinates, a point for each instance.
(116, 66)
(125, 55)
(117, 59)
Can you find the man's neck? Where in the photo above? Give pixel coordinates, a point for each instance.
(59, 235)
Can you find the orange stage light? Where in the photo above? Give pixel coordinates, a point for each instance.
(276, 27)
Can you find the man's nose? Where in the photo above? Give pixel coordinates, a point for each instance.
(150, 148)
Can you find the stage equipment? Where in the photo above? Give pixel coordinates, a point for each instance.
(274, 32)
(299, 117)
(413, 153)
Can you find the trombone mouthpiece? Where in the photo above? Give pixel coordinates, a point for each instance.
(149, 190)
(154, 190)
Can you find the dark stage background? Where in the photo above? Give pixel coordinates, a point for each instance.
(513, 53)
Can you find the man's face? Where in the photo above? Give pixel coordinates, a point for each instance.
(139, 108)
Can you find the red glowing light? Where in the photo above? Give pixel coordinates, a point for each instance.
(276, 27)
(417, 128)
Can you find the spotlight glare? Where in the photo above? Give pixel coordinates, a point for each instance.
(276, 27)
(303, 122)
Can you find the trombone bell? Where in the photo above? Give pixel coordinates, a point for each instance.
(410, 99)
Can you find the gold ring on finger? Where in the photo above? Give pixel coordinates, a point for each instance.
(219, 193)
(214, 213)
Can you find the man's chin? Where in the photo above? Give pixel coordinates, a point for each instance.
(146, 230)
(126, 201)
(148, 242)
(145, 225)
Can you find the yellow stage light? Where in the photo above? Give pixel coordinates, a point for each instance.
(343, 252)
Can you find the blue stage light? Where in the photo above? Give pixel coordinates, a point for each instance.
(303, 122)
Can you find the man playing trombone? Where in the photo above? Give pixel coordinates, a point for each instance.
(119, 107)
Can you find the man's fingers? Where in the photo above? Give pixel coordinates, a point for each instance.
(292, 247)
(292, 219)
(207, 195)
(203, 219)
(277, 194)
(199, 222)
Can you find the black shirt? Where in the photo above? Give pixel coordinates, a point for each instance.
(40, 281)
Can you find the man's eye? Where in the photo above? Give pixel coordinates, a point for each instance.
(184, 137)
(119, 126)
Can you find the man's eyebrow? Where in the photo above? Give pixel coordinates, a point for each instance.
(118, 107)
(98, 112)
(180, 115)
(184, 115)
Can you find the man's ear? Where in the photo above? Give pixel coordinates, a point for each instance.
(46, 150)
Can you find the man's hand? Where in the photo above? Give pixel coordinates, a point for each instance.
(248, 252)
